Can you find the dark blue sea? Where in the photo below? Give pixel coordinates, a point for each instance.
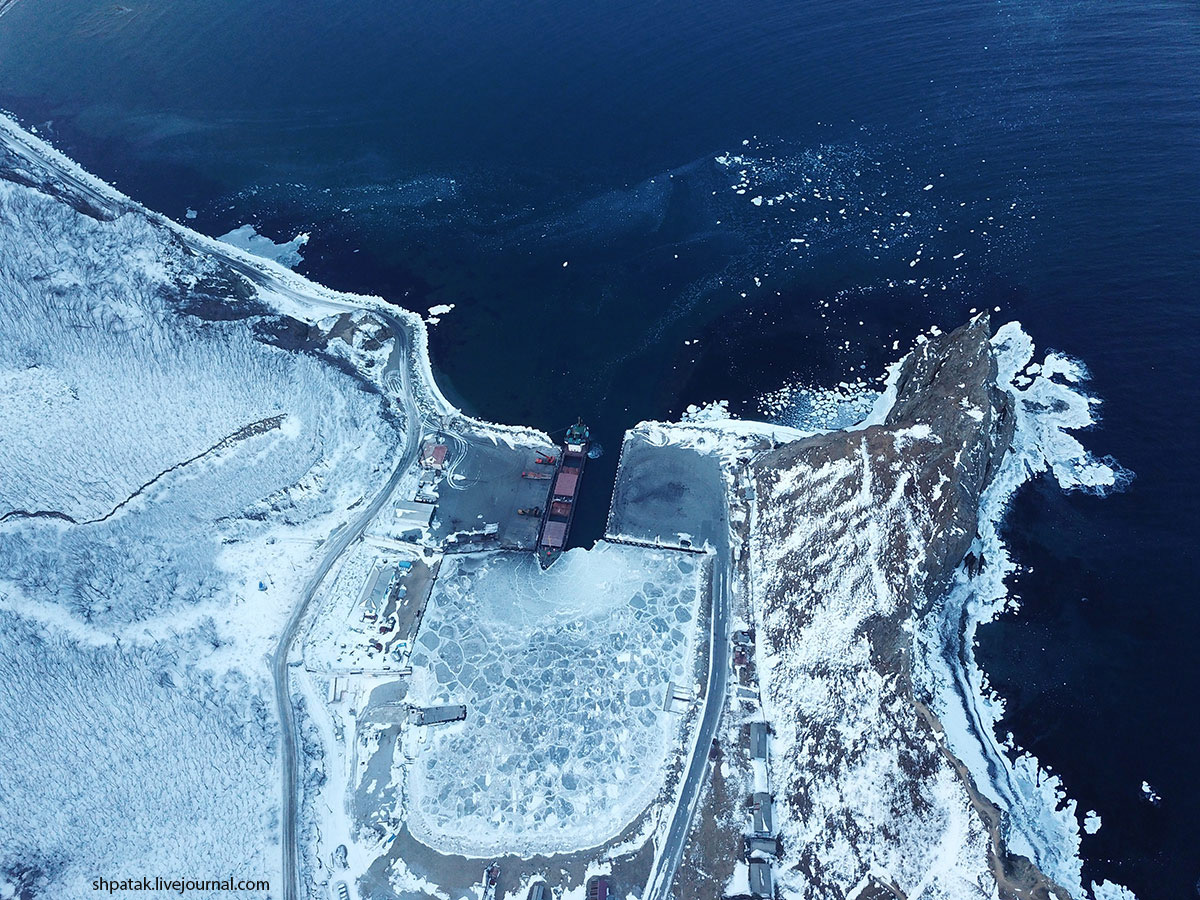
(635, 206)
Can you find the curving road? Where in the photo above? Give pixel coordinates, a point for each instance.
(658, 886)
(338, 542)
(70, 182)
(396, 366)
(667, 860)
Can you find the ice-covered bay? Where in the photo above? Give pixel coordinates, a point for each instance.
(564, 673)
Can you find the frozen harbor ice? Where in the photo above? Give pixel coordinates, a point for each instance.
(564, 674)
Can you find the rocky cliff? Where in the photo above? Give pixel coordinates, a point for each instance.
(854, 535)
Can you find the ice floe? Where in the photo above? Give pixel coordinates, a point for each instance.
(564, 675)
(245, 237)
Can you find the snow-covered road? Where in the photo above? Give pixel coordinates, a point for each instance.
(667, 859)
(339, 541)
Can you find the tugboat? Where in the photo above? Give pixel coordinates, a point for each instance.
(556, 520)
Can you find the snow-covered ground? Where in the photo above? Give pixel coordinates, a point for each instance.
(564, 674)
(168, 471)
(1049, 404)
(346, 631)
(862, 794)
(167, 474)
(121, 762)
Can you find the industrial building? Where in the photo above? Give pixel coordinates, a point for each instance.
(438, 715)
(377, 591)
(433, 455)
(761, 882)
(678, 698)
(761, 846)
(764, 814)
(758, 740)
(417, 515)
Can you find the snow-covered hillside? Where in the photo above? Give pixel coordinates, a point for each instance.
(128, 761)
(844, 527)
(172, 453)
(875, 554)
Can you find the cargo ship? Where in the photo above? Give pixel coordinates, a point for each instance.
(560, 510)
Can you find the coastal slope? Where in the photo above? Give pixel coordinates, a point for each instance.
(855, 534)
(175, 451)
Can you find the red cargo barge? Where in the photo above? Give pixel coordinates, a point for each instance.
(560, 510)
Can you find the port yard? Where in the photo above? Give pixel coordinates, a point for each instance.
(667, 495)
(483, 488)
(370, 612)
(538, 717)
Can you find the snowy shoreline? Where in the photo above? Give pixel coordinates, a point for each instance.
(289, 293)
(1044, 824)
(1048, 403)
(1041, 822)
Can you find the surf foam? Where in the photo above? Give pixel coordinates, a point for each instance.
(1049, 405)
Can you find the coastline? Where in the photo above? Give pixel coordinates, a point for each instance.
(1019, 788)
(289, 293)
(1041, 820)
(1024, 808)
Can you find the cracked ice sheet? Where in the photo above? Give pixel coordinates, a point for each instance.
(564, 674)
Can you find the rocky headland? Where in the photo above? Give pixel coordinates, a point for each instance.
(856, 534)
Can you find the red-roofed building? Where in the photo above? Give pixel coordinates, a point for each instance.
(433, 456)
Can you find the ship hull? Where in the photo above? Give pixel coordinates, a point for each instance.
(564, 495)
